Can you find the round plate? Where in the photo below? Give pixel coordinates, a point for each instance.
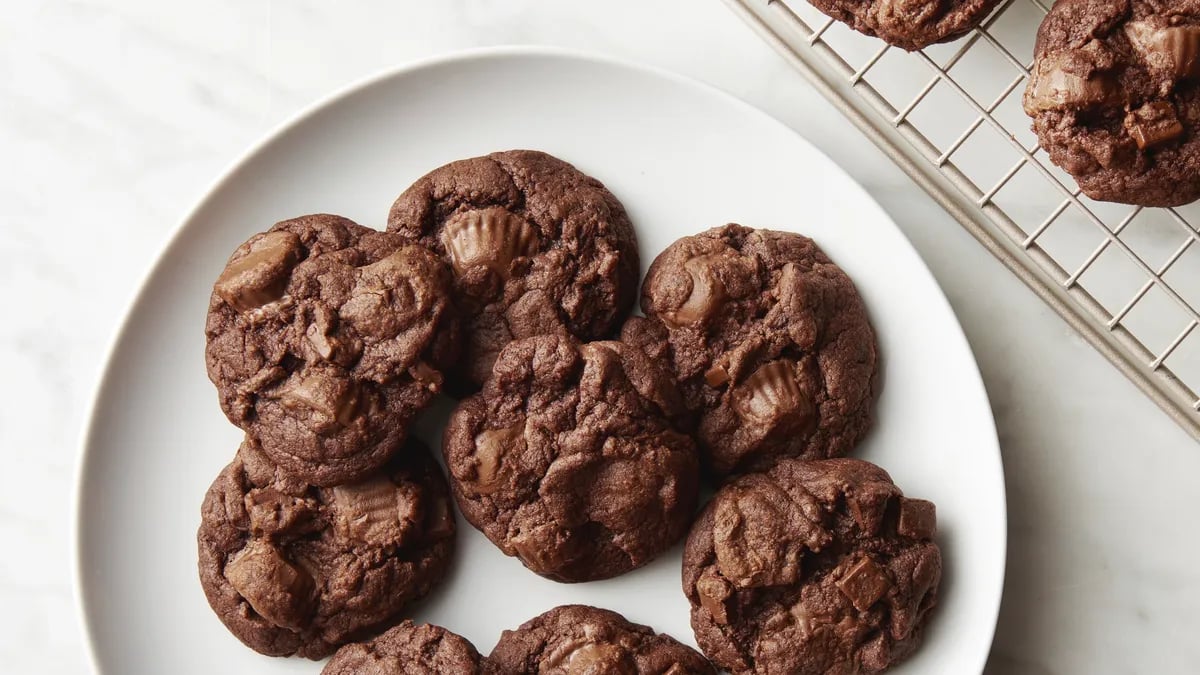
(682, 157)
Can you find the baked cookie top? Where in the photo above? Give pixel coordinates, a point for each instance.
(535, 246)
(568, 458)
(812, 567)
(909, 24)
(290, 568)
(770, 341)
(407, 649)
(1114, 98)
(582, 640)
(325, 338)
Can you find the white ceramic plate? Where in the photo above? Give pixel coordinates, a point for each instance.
(682, 157)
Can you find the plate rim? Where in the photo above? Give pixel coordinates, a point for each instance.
(102, 378)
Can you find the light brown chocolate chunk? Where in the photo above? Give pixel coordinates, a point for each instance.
(583, 657)
(1057, 84)
(918, 519)
(771, 398)
(1154, 124)
(279, 591)
(491, 447)
(707, 294)
(331, 399)
(260, 276)
(865, 583)
(492, 237)
(377, 512)
(716, 376)
(1175, 49)
(714, 595)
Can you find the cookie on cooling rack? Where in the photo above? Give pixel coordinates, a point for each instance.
(535, 245)
(294, 569)
(812, 567)
(580, 639)
(769, 340)
(1115, 98)
(325, 338)
(909, 24)
(569, 460)
(407, 649)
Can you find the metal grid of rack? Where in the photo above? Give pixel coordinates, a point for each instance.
(1126, 278)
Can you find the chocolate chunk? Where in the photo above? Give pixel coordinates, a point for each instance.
(272, 511)
(771, 398)
(491, 447)
(714, 595)
(492, 237)
(716, 376)
(706, 296)
(545, 549)
(918, 519)
(279, 591)
(864, 584)
(260, 275)
(377, 513)
(1059, 81)
(1175, 49)
(330, 398)
(582, 657)
(1154, 124)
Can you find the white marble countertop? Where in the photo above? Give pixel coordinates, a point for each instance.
(116, 115)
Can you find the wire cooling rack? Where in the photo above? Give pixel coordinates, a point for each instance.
(1127, 278)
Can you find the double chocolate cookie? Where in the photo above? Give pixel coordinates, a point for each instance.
(812, 567)
(909, 24)
(568, 458)
(535, 245)
(325, 338)
(407, 649)
(582, 640)
(770, 341)
(295, 569)
(1115, 98)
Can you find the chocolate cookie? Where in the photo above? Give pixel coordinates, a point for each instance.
(325, 338)
(909, 24)
(582, 640)
(1115, 98)
(770, 342)
(295, 569)
(568, 459)
(407, 649)
(535, 246)
(813, 567)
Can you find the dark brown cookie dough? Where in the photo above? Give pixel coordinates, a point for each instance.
(568, 460)
(909, 24)
(814, 567)
(407, 649)
(1115, 98)
(325, 338)
(295, 569)
(582, 640)
(770, 341)
(535, 246)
